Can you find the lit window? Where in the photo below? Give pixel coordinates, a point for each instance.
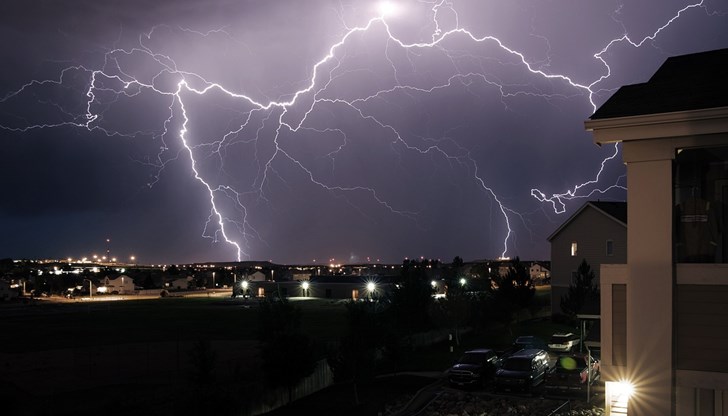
(610, 248)
(573, 249)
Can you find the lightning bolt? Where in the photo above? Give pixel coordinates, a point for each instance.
(288, 115)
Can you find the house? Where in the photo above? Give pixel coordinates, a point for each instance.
(182, 283)
(664, 309)
(327, 287)
(258, 276)
(121, 285)
(597, 233)
(6, 291)
(539, 272)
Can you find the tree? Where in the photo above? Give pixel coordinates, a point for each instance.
(412, 299)
(288, 355)
(582, 291)
(355, 359)
(457, 307)
(514, 290)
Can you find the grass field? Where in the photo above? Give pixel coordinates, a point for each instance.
(58, 351)
(45, 325)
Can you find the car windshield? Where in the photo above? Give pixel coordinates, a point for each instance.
(518, 364)
(473, 358)
(559, 339)
(570, 364)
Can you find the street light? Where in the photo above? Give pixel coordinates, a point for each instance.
(305, 285)
(371, 290)
(244, 286)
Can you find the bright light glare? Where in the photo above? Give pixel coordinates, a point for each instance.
(371, 287)
(624, 389)
(304, 285)
(463, 281)
(388, 8)
(433, 283)
(244, 284)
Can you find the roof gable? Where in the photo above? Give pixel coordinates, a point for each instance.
(614, 210)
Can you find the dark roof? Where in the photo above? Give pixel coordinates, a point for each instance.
(615, 209)
(688, 82)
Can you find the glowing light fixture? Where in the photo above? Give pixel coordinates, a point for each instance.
(304, 285)
(624, 389)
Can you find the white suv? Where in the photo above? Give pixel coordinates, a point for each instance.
(563, 342)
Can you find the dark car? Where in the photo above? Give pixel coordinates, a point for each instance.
(474, 367)
(523, 370)
(572, 373)
(526, 342)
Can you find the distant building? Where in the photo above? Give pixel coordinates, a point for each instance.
(327, 287)
(664, 308)
(7, 292)
(122, 285)
(597, 233)
(539, 273)
(256, 277)
(182, 283)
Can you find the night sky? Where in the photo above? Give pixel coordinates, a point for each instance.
(294, 131)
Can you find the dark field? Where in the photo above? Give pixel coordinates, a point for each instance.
(45, 325)
(134, 356)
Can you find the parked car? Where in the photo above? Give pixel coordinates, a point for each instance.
(572, 373)
(526, 342)
(563, 342)
(474, 367)
(523, 370)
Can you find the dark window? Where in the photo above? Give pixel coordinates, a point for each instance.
(610, 248)
(700, 195)
(619, 325)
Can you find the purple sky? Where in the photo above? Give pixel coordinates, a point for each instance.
(315, 129)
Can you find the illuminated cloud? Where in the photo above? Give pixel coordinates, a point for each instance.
(319, 129)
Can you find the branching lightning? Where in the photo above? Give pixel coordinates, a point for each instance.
(229, 207)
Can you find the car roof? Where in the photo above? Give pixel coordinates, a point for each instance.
(528, 338)
(527, 353)
(479, 350)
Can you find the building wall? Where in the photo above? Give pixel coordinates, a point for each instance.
(590, 230)
(672, 374)
(649, 283)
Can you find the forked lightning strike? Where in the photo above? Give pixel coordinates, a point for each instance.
(112, 79)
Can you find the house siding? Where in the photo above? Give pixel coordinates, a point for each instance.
(702, 327)
(590, 229)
